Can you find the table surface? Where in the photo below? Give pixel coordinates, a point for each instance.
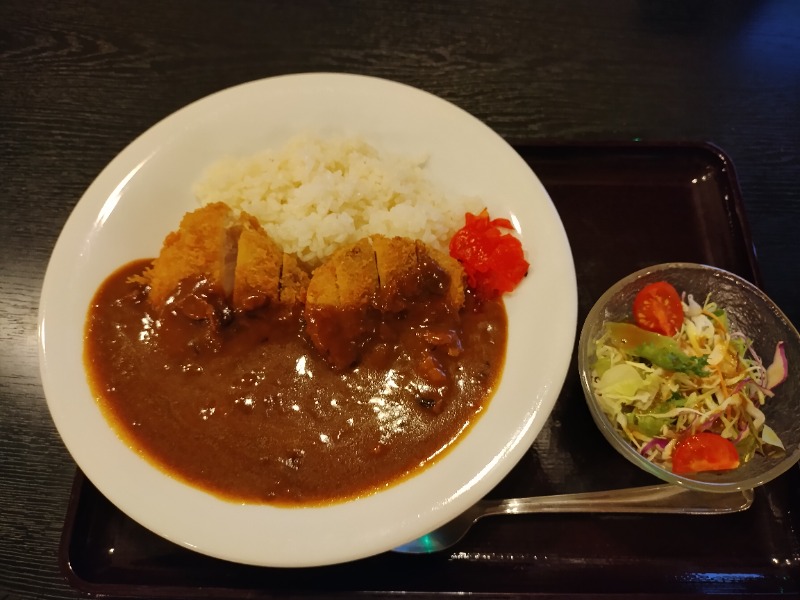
(80, 79)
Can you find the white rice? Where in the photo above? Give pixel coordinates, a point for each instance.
(316, 194)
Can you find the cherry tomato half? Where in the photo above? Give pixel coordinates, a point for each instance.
(704, 452)
(657, 307)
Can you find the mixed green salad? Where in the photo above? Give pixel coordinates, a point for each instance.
(684, 386)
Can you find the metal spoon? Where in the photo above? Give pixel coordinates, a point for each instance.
(650, 499)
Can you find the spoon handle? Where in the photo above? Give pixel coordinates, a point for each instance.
(664, 498)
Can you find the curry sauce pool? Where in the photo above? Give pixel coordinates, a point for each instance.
(247, 409)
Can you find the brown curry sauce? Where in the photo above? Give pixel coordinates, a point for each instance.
(243, 406)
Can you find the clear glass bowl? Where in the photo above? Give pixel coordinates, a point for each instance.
(750, 311)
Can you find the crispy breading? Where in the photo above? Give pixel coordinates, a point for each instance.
(339, 304)
(239, 259)
(387, 272)
(400, 259)
(322, 289)
(395, 258)
(258, 266)
(455, 292)
(202, 245)
(348, 278)
(236, 255)
(360, 284)
(294, 280)
(356, 274)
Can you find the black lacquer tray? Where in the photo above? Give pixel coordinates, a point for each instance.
(625, 206)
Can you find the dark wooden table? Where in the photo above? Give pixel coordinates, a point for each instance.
(80, 79)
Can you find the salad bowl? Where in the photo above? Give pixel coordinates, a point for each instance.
(769, 338)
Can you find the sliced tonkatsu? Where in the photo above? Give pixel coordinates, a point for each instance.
(265, 274)
(217, 261)
(340, 317)
(204, 246)
(233, 258)
(431, 261)
(349, 293)
(259, 262)
(294, 281)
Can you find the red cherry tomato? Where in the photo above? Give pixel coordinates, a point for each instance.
(657, 307)
(704, 452)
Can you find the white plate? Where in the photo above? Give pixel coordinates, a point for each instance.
(142, 194)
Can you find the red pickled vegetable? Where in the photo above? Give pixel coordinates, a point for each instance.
(494, 261)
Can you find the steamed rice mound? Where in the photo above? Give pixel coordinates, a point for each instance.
(314, 195)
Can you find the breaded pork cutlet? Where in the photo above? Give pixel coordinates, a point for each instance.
(411, 271)
(203, 245)
(396, 262)
(348, 293)
(339, 302)
(236, 257)
(294, 281)
(265, 274)
(323, 290)
(387, 274)
(456, 277)
(348, 278)
(356, 273)
(259, 262)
